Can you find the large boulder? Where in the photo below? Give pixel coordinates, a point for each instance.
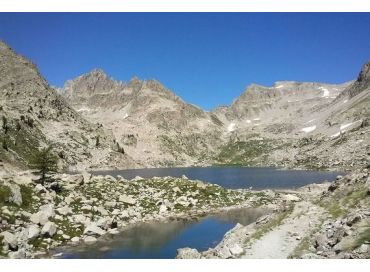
(127, 200)
(43, 215)
(9, 240)
(15, 190)
(90, 240)
(188, 253)
(93, 229)
(49, 229)
(33, 231)
(65, 210)
(236, 250)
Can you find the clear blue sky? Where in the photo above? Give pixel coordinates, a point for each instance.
(205, 58)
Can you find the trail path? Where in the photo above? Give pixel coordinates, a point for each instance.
(280, 242)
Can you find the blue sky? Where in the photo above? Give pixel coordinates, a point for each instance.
(205, 58)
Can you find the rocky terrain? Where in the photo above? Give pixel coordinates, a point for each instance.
(81, 208)
(320, 221)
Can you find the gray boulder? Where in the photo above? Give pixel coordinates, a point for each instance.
(49, 229)
(33, 231)
(9, 240)
(127, 199)
(188, 253)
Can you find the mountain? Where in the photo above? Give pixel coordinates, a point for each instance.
(154, 125)
(34, 115)
(97, 122)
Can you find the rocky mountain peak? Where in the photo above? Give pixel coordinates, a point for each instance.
(365, 73)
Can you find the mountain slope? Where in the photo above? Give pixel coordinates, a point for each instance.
(35, 115)
(154, 125)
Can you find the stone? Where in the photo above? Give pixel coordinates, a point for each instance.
(90, 240)
(66, 237)
(364, 248)
(110, 204)
(290, 197)
(236, 250)
(33, 231)
(86, 177)
(93, 229)
(162, 208)
(16, 196)
(40, 189)
(49, 229)
(20, 254)
(65, 210)
(187, 253)
(75, 240)
(102, 211)
(127, 199)
(9, 240)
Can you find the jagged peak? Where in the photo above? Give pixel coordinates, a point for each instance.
(364, 74)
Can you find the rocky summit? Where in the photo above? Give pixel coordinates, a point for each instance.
(95, 122)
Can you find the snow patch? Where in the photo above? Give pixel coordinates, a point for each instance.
(248, 121)
(326, 92)
(335, 135)
(256, 119)
(83, 109)
(310, 121)
(308, 129)
(344, 126)
(279, 87)
(125, 116)
(231, 127)
(345, 101)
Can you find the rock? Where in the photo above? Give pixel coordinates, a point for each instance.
(364, 248)
(20, 254)
(93, 229)
(187, 253)
(290, 197)
(184, 177)
(162, 208)
(236, 250)
(102, 211)
(16, 196)
(33, 231)
(90, 240)
(80, 218)
(66, 237)
(75, 240)
(9, 240)
(86, 208)
(137, 178)
(353, 219)
(127, 199)
(42, 216)
(65, 210)
(333, 187)
(176, 189)
(110, 204)
(86, 177)
(40, 189)
(49, 229)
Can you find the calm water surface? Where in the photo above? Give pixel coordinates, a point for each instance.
(161, 240)
(235, 177)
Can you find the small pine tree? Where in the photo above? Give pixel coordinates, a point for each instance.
(97, 143)
(5, 144)
(5, 125)
(45, 162)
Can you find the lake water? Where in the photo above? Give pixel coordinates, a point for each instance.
(161, 240)
(235, 177)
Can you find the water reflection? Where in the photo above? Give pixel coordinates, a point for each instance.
(161, 240)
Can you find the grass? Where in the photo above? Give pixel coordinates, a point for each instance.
(5, 194)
